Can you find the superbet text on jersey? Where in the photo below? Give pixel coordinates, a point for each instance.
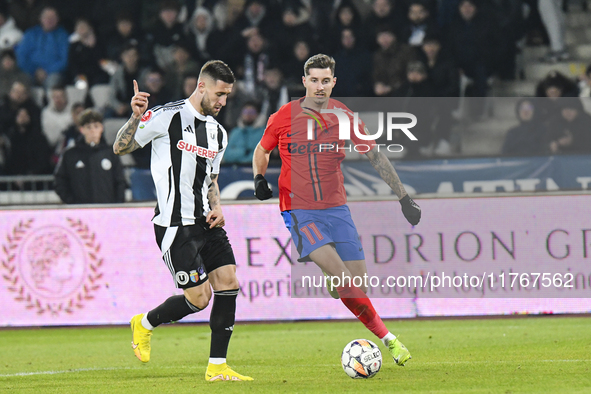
(311, 176)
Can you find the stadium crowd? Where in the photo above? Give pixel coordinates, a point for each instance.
(382, 48)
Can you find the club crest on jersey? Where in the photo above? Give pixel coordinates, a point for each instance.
(199, 151)
(147, 116)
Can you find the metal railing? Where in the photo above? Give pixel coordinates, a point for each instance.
(27, 189)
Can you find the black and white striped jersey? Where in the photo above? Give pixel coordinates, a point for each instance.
(187, 148)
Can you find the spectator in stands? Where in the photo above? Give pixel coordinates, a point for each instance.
(417, 83)
(354, 68)
(254, 63)
(512, 26)
(293, 67)
(256, 19)
(445, 79)
(190, 84)
(10, 73)
(152, 81)
(10, 35)
(382, 14)
(26, 12)
(43, 52)
(442, 71)
(418, 24)
(122, 83)
(555, 85)
(527, 138)
(389, 62)
(18, 98)
(274, 94)
(89, 172)
(416, 86)
(72, 133)
(104, 12)
(56, 117)
(346, 17)
(568, 132)
(182, 64)
(244, 138)
(85, 56)
(555, 23)
(552, 88)
(29, 152)
(126, 33)
(295, 26)
(167, 33)
(206, 39)
(474, 45)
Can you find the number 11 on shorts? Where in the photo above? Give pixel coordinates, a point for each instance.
(308, 230)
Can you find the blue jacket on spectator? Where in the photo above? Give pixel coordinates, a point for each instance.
(242, 143)
(45, 50)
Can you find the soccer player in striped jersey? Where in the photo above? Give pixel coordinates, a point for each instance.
(312, 195)
(187, 148)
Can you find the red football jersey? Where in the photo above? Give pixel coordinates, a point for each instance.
(311, 176)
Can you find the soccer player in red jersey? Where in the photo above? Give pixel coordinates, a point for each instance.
(312, 194)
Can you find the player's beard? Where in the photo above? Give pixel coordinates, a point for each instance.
(207, 107)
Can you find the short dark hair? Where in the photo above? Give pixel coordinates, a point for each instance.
(218, 71)
(89, 116)
(254, 104)
(77, 105)
(319, 61)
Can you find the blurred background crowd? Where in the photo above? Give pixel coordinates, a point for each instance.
(58, 58)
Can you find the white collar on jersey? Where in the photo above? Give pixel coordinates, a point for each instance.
(194, 111)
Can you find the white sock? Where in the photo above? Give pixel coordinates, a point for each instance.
(146, 324)
(387, 338)
(217, 360)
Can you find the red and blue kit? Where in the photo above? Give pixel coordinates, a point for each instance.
(311, 176)
(312, 193)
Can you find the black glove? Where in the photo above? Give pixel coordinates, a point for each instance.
(410, 209)
(261, 188)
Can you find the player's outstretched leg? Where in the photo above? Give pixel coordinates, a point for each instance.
(360, 305)
(221, 322)
(173, 309)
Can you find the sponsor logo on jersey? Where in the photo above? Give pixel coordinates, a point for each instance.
(311, 147)
(199, 151)
(177, 107)
(147, 116)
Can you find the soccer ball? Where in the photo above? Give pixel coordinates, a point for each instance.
(361, 359)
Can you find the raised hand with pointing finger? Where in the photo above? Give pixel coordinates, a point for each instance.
(125, 141)
(139, 101)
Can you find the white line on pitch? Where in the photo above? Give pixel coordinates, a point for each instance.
(86, 370)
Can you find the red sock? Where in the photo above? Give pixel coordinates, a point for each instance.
(360, 305)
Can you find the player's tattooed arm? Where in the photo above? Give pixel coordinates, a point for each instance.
(125, 141)
(213, 194)
(380, 162)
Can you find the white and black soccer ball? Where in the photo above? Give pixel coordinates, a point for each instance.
(361, 359)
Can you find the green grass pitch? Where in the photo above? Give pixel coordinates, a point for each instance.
(509, 355)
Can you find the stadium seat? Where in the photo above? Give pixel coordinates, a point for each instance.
(75, 95)
(100, 95)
